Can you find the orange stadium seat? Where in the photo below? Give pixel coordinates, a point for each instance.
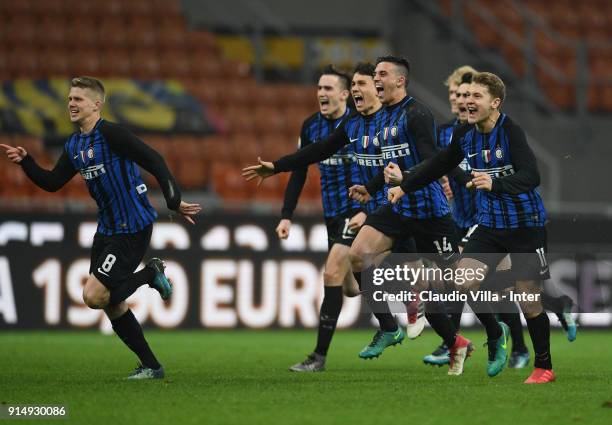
(142, 33)
(17, 8)
(239, 119)
(175, 64)
(145, 64)
(20, 31)
(23, 63)
(50, 32)
(171, 33)
(204, 66)
(115, 62)
(112, 33)
(207, 90)
(48, 8)
(269, 120)
(138, 8)
(229, 184)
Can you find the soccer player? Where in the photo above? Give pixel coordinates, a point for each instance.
(106, 154)
(511, 214)
(343, 216)
(464, 215)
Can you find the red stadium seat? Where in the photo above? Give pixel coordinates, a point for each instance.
(145, 65)
(51, 32)
(112, 33)
(175, 64)
(142, 33)
(115, 62)
(23, 63)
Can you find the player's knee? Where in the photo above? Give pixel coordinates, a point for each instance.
(332, 275)
(91, 300)
(95, 298)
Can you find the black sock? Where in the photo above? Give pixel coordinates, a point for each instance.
(380, 309)
(435, 313)
(130, 285)
(510, 316)
(130, 332)
(485, 315)
(455, 310)
(539, 330)
(328, 317)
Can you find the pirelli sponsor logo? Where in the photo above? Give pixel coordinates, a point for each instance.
(365, 160)
(395, 151)
(93, 171)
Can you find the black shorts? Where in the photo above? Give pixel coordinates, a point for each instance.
(527, 247)
(114, 258)
(464, 233)
(435, 238)
(338, 230)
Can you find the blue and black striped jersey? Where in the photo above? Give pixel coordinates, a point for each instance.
(513, 201)
(363, 134)
(338, 172)
(114, 182)
(463, 204)
(490, 153)
(408, 133)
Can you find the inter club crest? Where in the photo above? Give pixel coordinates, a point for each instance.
(394, 131)
(90, 153)
(375, 141)
(499, 154)
(486, 155)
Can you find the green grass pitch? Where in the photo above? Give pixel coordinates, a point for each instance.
(241, 377)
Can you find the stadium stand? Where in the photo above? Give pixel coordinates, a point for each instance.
(494, 22)
(150, 40)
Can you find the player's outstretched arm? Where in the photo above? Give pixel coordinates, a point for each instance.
(260, 172)
(51, 181)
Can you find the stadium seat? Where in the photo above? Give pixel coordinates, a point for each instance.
(20, 31)
(112, 33)
(115, 62)
(48, 8)
(145, 64)
(23, 63)
(175, 64)
(51, 32)
(142, 33)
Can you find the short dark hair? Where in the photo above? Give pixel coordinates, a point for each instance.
(466, 78)
(89, 83)
(402, 63)
(492, 82)
(345, 80)
(364, 68)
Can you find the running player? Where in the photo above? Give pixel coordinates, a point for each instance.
(464, 215)
(511, 215)
(106, 154)
(343, 216)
